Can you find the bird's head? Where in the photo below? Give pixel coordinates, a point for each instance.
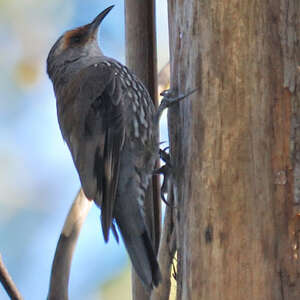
(75, 44)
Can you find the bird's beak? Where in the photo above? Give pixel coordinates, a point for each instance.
(97, 21)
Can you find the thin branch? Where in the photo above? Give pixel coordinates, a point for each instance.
(8, 283)
(61, 266)
(141, 58)
(167, 249)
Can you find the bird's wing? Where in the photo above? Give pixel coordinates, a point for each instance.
(92, 125)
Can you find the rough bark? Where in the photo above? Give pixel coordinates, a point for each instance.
(141, 58)
(236, 148)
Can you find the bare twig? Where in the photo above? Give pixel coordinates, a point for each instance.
(8, 283)
(61, 266)
(167, 249)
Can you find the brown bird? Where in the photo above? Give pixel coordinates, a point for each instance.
(110, 125)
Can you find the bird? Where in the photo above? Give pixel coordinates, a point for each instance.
(110, 125)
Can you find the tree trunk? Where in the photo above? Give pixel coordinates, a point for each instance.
(141, 58)
(236, 148)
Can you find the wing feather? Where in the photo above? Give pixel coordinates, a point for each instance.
(91, 119)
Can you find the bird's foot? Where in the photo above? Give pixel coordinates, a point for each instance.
(166, 171)
(170, 98)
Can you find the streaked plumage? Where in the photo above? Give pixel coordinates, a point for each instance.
(108, 121)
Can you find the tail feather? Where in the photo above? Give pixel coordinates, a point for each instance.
(140, 250)
(156, 276)
(128, 213)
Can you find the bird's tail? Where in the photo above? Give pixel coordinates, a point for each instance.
(138, 245)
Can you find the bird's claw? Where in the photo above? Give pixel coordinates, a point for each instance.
(165, 156)
(165, 170)
(170, 98)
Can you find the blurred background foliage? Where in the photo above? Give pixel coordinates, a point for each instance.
(38, 181)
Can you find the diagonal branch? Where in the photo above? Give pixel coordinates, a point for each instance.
(61, 266)
(8, 283)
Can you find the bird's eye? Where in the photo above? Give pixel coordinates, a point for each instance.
(76, 39)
